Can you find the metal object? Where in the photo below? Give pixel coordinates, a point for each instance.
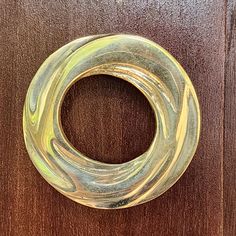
(158, 76)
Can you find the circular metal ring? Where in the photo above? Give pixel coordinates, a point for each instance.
(158, 76)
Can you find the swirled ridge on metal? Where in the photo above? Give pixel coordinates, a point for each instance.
(170, 93)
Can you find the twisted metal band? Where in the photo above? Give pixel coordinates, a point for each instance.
(158, 76)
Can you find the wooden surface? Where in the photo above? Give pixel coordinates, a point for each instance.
(111, 121)
(229, 171)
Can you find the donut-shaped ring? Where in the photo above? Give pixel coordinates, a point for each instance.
(165, 84)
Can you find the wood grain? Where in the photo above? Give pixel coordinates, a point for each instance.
(194, 32)
(107, 119)
(230, 123)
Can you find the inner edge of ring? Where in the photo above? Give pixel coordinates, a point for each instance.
(98, 71)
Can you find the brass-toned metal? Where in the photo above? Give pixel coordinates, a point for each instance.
(158, 76)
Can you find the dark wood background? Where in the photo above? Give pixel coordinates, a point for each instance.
(111, 121)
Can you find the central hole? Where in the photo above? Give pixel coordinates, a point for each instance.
(107, 119)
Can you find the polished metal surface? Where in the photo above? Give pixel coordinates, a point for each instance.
(158, 76)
